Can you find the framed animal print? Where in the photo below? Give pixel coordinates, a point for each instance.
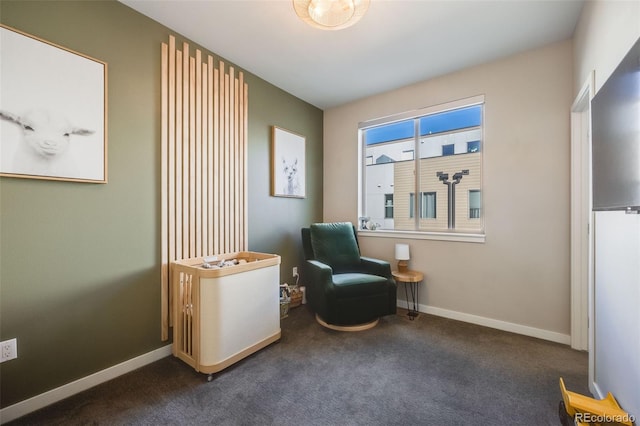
(53, 111)
(287, 164)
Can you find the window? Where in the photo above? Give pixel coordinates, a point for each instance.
(444, 168)
(427, 205)
(388, 206)
(474, 204)
(473, 146)
(408, 154)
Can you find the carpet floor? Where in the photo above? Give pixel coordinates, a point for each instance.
(431, 371)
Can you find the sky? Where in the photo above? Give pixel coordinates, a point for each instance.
(429, 125)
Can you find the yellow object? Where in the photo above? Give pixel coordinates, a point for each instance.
(586, 410)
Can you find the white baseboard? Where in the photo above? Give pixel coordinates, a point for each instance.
(37, 402)
(493, 323)
(596, 391)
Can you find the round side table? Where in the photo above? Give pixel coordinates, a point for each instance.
(410, 279)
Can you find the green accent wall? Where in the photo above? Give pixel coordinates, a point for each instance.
(80, 262)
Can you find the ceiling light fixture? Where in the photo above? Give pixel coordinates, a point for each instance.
(330, 14)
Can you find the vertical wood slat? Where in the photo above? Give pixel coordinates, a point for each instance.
(227, 246)
(205, 159)
(185, 153)
(245, 162)
(164, 202)
(197, 118)
(216, 160)
(203, 170)
(210, 160)
(236, 166)
(171, 189)
(232, 163)
(192, 159)
(179, 162)
(221, 165)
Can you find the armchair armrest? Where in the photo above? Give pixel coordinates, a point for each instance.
(319, 285)
(376, 266)
(319, 272)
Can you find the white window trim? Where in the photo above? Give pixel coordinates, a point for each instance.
(414, 234)
(424, 235)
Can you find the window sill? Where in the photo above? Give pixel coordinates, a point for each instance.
(414, 235)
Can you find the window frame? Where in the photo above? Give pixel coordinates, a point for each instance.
(446, 235)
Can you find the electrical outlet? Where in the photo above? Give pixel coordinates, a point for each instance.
(295, 271)
(8, 350)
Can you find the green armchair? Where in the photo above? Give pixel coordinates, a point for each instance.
(344, 289)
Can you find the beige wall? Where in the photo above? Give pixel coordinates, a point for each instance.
(520, 275)
(605, 33)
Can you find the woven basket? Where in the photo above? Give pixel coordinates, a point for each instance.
(296, 298)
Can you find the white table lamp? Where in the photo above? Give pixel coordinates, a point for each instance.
(402, 256)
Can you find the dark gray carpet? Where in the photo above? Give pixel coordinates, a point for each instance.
(431, 371)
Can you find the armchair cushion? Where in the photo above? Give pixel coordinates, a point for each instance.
(335, 244)
(358, 285)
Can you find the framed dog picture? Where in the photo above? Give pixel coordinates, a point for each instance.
(287, 164)
(53, 116)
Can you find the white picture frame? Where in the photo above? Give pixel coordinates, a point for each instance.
(53, 111)
(288, 170)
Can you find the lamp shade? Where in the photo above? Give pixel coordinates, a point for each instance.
(402, 252)
(330, 14)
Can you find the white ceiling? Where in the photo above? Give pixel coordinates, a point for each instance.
(397, 42)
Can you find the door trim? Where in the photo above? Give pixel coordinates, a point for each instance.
(581, 218)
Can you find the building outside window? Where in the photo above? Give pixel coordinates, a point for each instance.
(445, 169)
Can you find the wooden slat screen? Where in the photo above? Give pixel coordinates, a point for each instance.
(204, 155)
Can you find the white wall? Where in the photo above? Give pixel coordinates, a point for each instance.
(605, 33)
(520, 276)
